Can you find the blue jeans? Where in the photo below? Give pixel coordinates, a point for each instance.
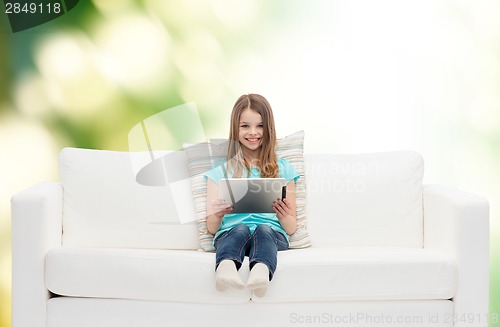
(261, 246)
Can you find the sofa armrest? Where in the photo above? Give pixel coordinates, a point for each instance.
(36, 227)
(458, 223)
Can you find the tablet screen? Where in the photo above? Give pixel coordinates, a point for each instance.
(251, 195)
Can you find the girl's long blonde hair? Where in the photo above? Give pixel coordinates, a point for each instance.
(267, 159)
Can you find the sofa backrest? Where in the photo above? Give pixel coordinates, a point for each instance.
(352, 200)
(104, 205)
(365, 199)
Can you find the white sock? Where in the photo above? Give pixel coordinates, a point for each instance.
(258, 279)
(227, 276)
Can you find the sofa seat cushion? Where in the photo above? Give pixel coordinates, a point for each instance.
(313, 274)
(362, 273)
(139, 274)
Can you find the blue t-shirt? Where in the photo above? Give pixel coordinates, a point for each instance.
(252, 220)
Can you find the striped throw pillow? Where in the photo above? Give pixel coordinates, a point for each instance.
(203, 156)
(292, 149)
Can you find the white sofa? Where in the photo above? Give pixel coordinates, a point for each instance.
(99, 249)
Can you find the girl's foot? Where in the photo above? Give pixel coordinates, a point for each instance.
(227, 276)
(258, 279)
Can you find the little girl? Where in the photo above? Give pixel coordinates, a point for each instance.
(251, 153)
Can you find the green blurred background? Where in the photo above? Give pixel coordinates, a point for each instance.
(357, 76)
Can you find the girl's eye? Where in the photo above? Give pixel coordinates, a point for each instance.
(246, 126)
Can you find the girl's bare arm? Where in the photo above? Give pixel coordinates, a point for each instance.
(216, 208)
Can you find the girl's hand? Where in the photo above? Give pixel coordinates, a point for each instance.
(282, 208)
(219, 208)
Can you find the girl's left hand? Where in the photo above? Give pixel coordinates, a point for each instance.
(282, 208)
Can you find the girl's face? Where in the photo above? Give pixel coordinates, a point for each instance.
(250, 131)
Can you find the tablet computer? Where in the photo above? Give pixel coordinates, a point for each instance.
(252, 195)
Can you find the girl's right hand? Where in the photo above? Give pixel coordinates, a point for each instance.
(219, 208)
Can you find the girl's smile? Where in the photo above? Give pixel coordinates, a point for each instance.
(254, 140)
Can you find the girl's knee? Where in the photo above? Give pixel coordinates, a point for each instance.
(241, 228)
(264, 229)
